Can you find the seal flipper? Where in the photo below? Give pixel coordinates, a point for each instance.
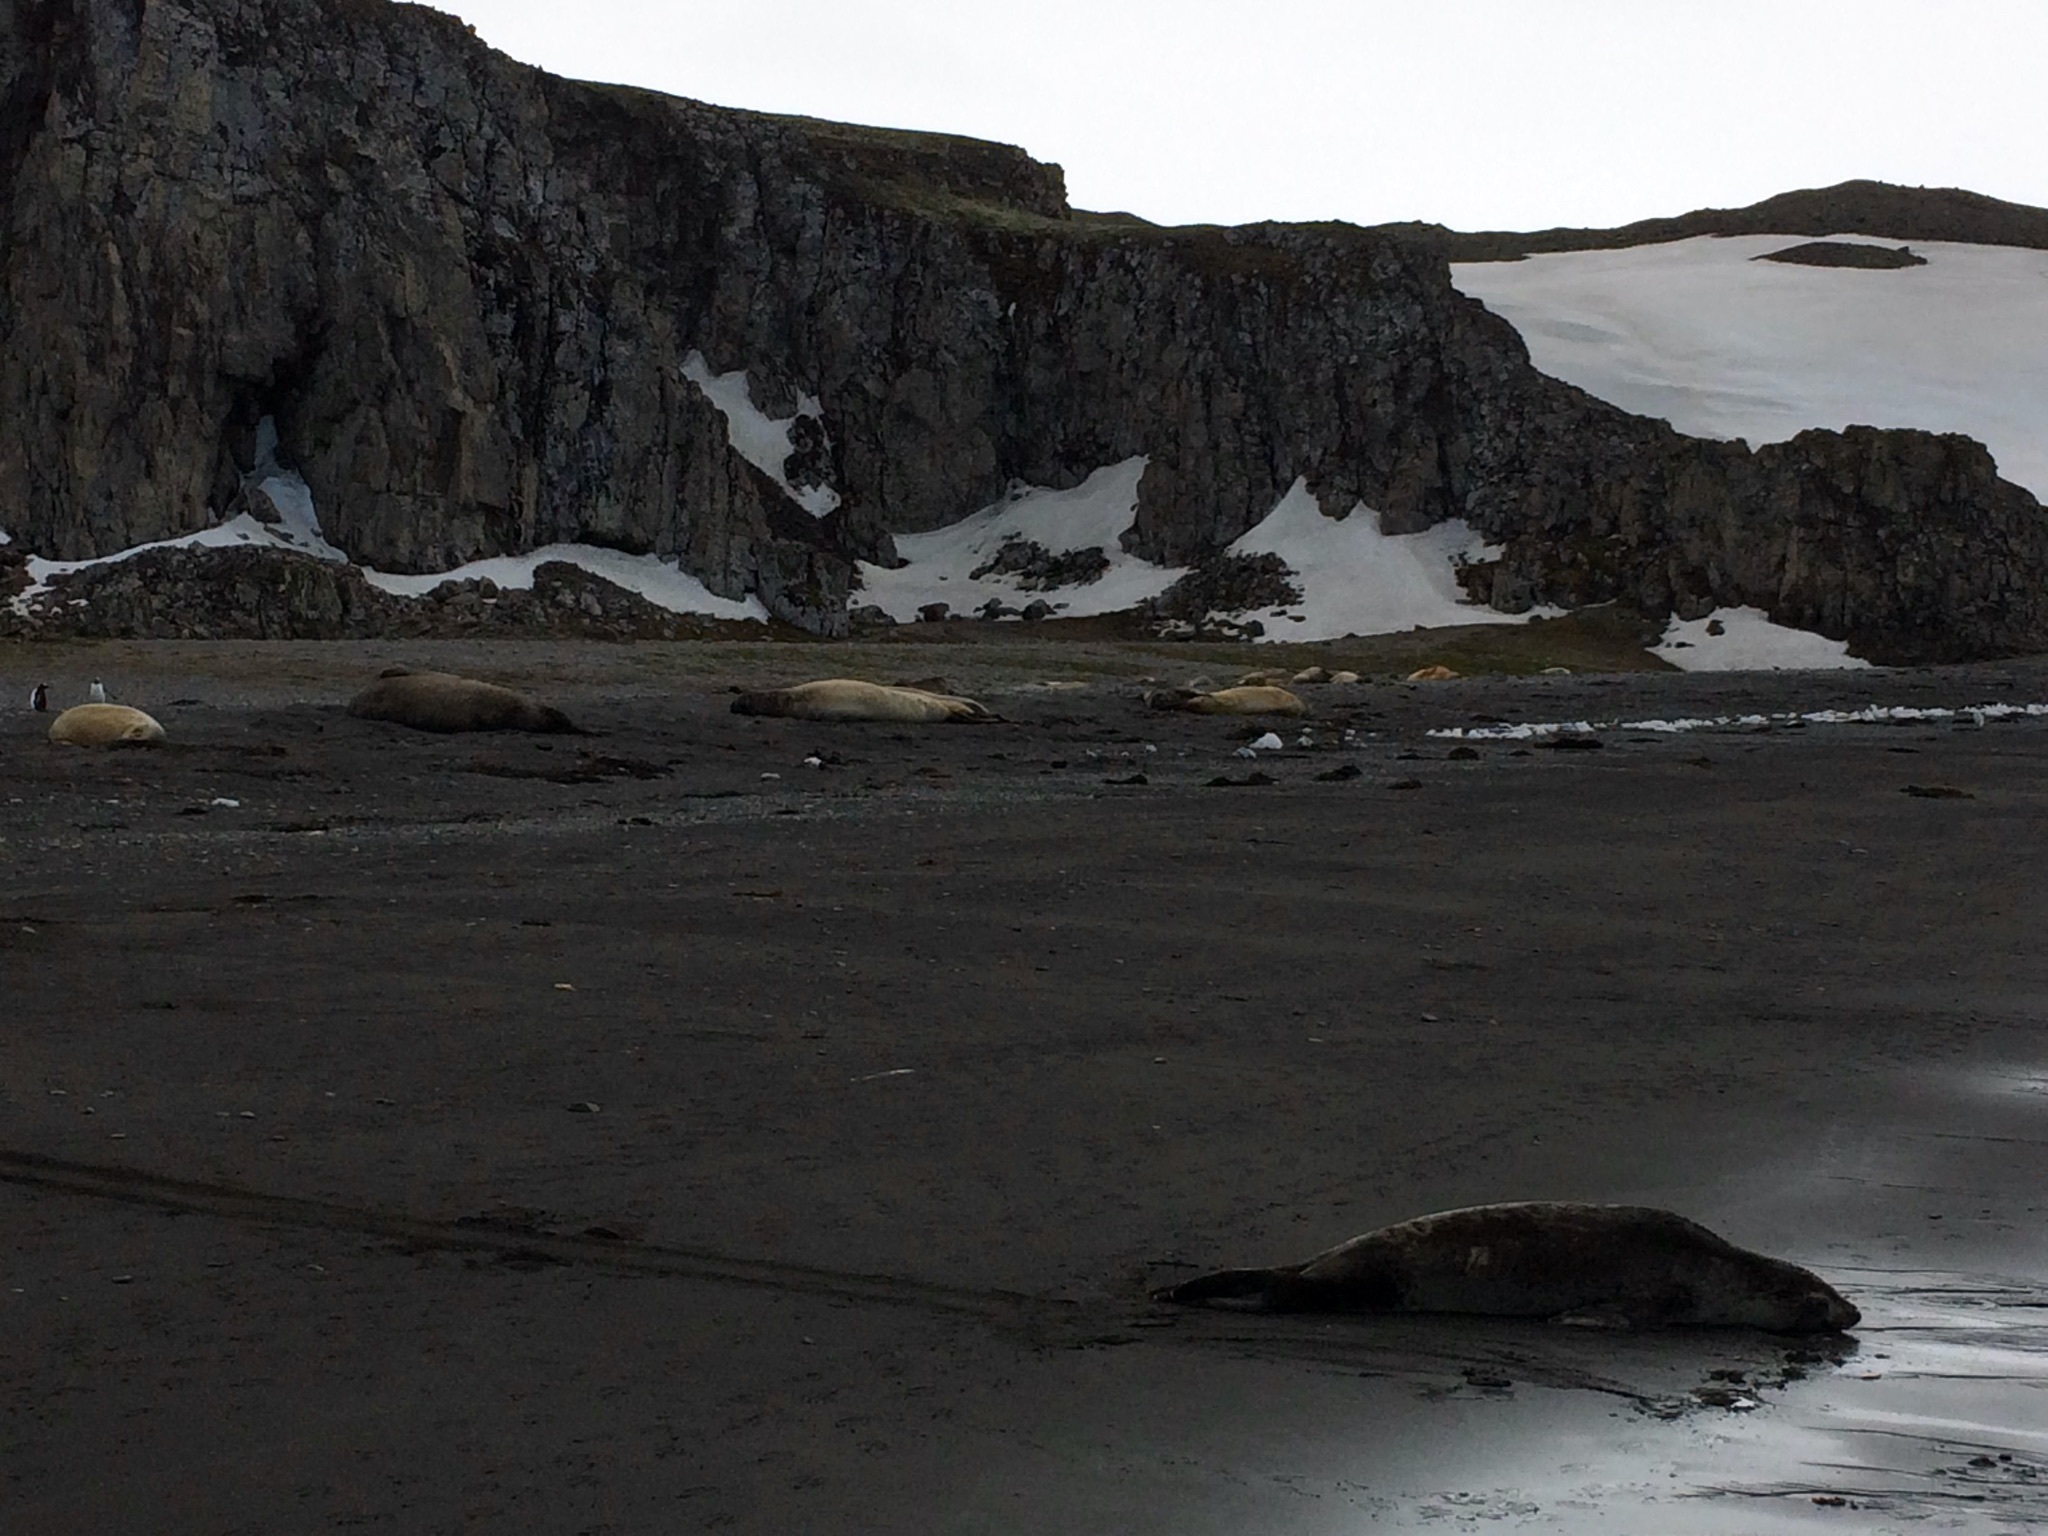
(1247, 1290)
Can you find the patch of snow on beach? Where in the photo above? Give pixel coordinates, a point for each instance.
(1869, 714)
(297, 528)
(760, 439)
(1356, 580)
(1722, 345)
(1748, 642)
(664, 585)
(1093, 515)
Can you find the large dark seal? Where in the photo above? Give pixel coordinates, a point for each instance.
(1621, 1265)
(845, 698)
(441, 701)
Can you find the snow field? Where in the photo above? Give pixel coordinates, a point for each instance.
(1748, 642)
(1722, 345)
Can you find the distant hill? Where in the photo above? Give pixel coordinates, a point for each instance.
(1874, 208)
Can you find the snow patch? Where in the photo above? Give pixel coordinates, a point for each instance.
(1869, 714)
(1748, 642)
(1093, 515)
(1356, 580)
(1721, 345)
(757, 437)
(662, 584)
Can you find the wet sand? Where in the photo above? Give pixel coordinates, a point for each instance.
(914, 1070)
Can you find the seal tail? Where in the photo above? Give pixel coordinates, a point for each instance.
(1243, 1288)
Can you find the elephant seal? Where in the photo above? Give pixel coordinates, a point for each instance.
(845, 698)
(1259, 699)
(1621, 1265)
(1433, 674)
(441, 701)
(105, 725)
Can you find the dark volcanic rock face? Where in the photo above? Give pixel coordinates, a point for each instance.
(466, 291)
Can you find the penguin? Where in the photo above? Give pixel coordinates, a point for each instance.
(39, 699)
(99, 692)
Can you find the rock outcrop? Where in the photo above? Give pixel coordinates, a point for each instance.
(270, 594)
(468, 293)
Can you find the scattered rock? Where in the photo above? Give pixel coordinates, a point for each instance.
(1038, 569)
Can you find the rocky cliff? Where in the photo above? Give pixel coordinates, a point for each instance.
(471, 296)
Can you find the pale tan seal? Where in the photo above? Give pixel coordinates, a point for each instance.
(1258, 699)
(1434, 674)
(105, 725)
(845, 698)
(441, 701)
(1619, 1265)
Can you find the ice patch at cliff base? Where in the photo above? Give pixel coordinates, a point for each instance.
(1093, 515)
(1356, 580)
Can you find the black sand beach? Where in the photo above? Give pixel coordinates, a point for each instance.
(656, 1131)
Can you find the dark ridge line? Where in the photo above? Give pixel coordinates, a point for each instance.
(253, 1208)
(1872, 208)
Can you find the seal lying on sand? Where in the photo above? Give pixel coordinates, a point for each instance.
(1623, 1265)
(105, 725)
(844, 698)
(441, 701)
(1257, 699)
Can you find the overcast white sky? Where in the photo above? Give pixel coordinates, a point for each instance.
(1494, 114)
